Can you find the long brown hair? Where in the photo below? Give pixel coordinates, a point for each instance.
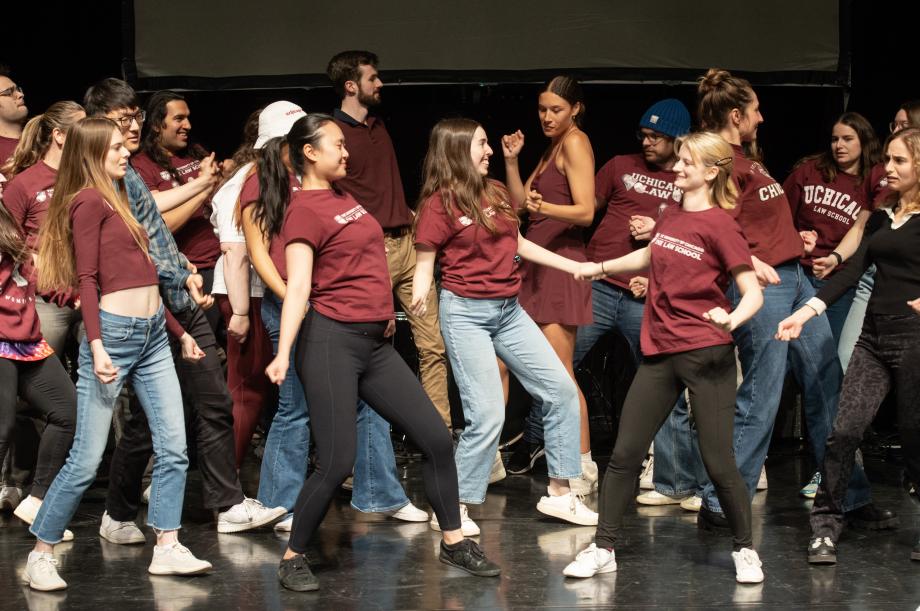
(37, 136)
(910, 136)
(448, 170)
(869, 156)
(11, 242)
(82, 167)
(719, 92)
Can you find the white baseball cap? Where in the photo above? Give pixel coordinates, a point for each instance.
(276, 120)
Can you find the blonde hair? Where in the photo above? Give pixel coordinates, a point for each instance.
(910, 136)
(82, 167)
(712, 151)
(37, 136)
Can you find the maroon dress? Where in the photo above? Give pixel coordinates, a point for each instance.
(549, 295)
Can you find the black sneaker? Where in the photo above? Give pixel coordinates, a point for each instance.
(710, 520)
(872, 518)
(524, 457)
(821, 550)
(295, 574)
(468, 556)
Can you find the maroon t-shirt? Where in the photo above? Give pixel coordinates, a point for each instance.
(351, 282)
(249, 194)
(830, 209)
(692, 255)
(18, 319)
(763, 212)
(7, 146)
(629, 186)
(474, 262)
(372, 172)
(27, 197)
(196, 239)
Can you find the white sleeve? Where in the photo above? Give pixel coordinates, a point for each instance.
(224, 207)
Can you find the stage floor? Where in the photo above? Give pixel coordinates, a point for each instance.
(370, 562)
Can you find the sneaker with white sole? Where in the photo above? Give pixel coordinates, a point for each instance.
(468, 527)
(646, 477)
(810, 490)
(120, 533)
(408, 513)
(569, 507)
(10, 497)
(176, 559)
(498, 472)
(591, 561)
(692, 503)
(41, 573)
(747, 566)
(762, 480)
(586, 483)
(28, 509)
(285, 525)
(653, 497)
(247, 515)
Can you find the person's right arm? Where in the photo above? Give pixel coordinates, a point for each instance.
(171, 198)
(823, 266)
(636, 261)
(257, 246)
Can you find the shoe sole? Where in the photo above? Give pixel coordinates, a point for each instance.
(749, 581)
(131, 542)
(695, 507)
(659, 502)
(416, 520)
(822, 560)
(566, 516)
(598, 572)
(201, 571)
(808, 495)
(876, 525)
(28, 582)
(529, 467)
(229, 528)
(915, 555)
(492, 573)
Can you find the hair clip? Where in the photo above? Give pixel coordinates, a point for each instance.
(723, 161)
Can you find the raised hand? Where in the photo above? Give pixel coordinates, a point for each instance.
(512, 144)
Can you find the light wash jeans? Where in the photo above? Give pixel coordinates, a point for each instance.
(287, 448)
(678, 467)
(475, 332)
(139, 348)
(852, 328)
(764, 362)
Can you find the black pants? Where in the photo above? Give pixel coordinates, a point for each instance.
(48, 390)
(337, 363)
(887, 354)
(211, 415)
(710, 376)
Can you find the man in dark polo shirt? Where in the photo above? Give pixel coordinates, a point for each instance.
(373, 179)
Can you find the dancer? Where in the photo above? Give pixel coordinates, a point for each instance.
(559, 195)
(91, 238)
(336, 265)
(886, 354)
(469, 223)
(686, 343)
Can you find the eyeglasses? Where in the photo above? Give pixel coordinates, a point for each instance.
(124, 121)
(11, 91)
(896, 125)
(652, 137)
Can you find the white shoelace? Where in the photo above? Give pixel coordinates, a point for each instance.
(750, 557)
(826, 540)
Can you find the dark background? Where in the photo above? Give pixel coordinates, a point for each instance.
(57, 50)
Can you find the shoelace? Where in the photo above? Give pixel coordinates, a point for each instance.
(42, 565)
(750, 557)
(826, 540)
(575, 499)
(475, 551)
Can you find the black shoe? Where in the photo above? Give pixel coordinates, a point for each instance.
(872, 518)
(295, 574)
(524, 457)
(821, 550)
(707, 519)
(468, 556)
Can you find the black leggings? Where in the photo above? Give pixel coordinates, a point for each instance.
(886, 356)
(337, 363)
(710, 376)
(47, 388)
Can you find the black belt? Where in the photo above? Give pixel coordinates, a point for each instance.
(397, 232)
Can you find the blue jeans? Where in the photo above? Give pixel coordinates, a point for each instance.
(678, 467)
(764, 361)
(475, 332)
(138, 347)
(852, 328)
(287, 448)
(836, 313)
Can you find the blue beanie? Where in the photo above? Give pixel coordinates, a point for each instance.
(669, 117)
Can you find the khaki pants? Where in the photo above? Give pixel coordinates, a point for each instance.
(425, 329)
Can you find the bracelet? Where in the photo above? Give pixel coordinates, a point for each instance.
(837, 256)
(603, 271)
(241, 315)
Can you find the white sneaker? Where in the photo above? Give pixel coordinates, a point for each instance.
(692, 503)
(41, 573)
(247, 515)
(498, 469)
(586, 483)
(653, 497)
(285, 525)
(408, 513)
(10, 497)
(121, 533)
(176, 559)
(747, 566)
(28, 509)
(591, 561)
(145, 496)
(468, 527)
(762, 480)
(648, 471)
(568, 507)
